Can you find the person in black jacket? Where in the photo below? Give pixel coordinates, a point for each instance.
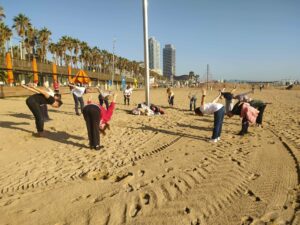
(34, 102)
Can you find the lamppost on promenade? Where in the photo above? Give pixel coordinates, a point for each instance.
(113, 72)
(146, 51)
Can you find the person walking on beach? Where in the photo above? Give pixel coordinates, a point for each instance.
(170, 97)
(96, 118)
(127, 94)
(193, 100)
(34, 103)
(77, 93)
(212, 108)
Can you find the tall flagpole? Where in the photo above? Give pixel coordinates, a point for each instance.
(146, 51)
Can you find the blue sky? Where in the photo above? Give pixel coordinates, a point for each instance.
(239, 39)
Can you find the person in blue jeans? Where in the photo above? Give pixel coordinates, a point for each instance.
(213, 108)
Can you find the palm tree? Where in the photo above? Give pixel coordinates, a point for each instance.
(43, 38)
(16, 52)
(53, 49)
(5, 35)
(31, 41)
(85, 54)
(2, 15)
(63, 44)
(21, 25)
(76, 45)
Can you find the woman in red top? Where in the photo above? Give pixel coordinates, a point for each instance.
(97, 118)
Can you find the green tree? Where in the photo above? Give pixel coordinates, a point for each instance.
(5, 35)
(30, 42)
(2, 14)
(43, 38)
(21, 25)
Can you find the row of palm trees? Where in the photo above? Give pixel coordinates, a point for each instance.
(67, 51)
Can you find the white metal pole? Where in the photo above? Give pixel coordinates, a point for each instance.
(146, 51)
(21, 52)
(113, 72)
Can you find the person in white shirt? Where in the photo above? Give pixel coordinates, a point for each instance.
(77, 93)
(213, 108)
(127, 93)
(44, 108)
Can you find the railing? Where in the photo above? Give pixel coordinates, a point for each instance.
(25, 67)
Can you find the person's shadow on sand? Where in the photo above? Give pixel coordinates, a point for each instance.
(21, 115)
(59, 136)
(145, 127)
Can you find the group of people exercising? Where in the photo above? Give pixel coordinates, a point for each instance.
(97, 117)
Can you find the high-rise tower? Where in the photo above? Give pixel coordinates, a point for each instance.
(154, 55)
(169, 61)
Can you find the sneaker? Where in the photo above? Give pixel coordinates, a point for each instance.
(213, 140)
(218, 138)
(98, 147)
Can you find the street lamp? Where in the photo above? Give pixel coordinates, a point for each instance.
(113, 72)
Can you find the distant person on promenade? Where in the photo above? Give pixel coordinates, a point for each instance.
(78, 93)
(96, 118)
(212, 108)
(103, 97)
(170, 97)
(193, 99)
(34, 103)
(127, 94)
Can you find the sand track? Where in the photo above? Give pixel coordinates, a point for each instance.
(158, 170)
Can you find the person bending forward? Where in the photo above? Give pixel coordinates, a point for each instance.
(213, 108)
(96, 118)
(35, 101)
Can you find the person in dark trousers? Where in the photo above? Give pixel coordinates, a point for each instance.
(248, 114)
(260, 106)
(103, 97)
(213, 108)
(44, 107)
(127, 94)
(96, 118)
(77, 93)
(193, 100)
(171, 96)
(34, 102)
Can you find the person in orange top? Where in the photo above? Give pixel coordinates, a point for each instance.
(96, 118)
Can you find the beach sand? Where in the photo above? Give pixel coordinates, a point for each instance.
(152, 170)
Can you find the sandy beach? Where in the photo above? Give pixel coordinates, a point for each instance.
(152, 170)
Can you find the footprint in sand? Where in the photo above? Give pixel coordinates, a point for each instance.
(253, 176)
(145, 198)
(252, 195)
(135, 208)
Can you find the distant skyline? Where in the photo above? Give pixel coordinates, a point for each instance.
(247, 40)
